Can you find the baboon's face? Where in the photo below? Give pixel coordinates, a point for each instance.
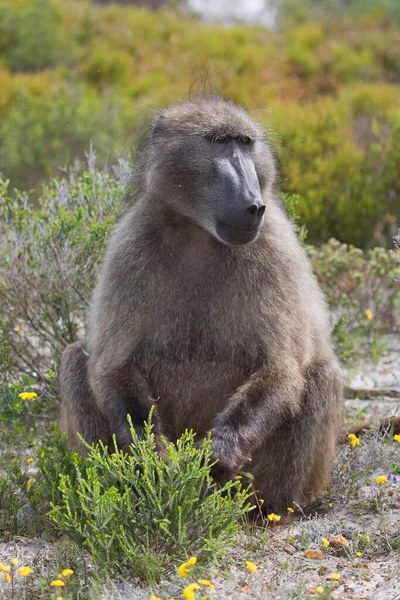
(213, 169)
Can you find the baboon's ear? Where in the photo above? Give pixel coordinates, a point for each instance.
(159, 127)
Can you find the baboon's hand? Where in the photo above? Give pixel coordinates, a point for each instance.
(124, 440)
(228, 453)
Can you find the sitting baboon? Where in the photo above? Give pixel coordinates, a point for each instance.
(206, 307)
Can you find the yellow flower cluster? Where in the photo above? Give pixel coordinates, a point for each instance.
(189, 591)
(183, 570)
(27, 395)
(381, 480)
(355, 441)
(325, 542)
(274, 517)
(319, 589)
(251, 566)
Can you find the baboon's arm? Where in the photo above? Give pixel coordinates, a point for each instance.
(271, 397)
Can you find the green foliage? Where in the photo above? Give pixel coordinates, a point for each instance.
(48, 261)
(362, 293)
(139, 515)
(30, 34)
(293, 10)
(136, 514)
(41, 134)
(327, 89)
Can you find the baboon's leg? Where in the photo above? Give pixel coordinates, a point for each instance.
(78, 411)
(296, 461)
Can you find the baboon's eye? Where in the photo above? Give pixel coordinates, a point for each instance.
(220, 140)
(246, 140)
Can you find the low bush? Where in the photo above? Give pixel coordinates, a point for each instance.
(362, 292)
(49, 260)
(31, 37)
(136, 514)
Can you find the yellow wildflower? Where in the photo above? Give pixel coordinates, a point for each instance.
(274, 517)
(183, 570)
(206, 598)
(325, 542)
(25, 571)
(57, 583)
(319, 589)
(358, 554)
(381, 480)
(29, 460)
(355, 441)
(238, 477)
(290, 509)
(335, 576)
(155, 598)
(67, 572)
(188, 592)
(8, 577)
(27, 395)
(397, 438)
(330, 504)
(59, 598)
(17, 329)
(4, 568)
(367, 539)
(207, 584)
(14, 561)
(251, 566)
(369, 314)
(29, 484)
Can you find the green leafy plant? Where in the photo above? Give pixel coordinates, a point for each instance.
(139, 515)
(48, 264)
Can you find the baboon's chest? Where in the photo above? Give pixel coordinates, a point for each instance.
(200, 349)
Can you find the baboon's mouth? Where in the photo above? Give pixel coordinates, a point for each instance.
(236, 235)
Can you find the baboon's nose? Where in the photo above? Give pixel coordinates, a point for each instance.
(252, 209)
(256, 211)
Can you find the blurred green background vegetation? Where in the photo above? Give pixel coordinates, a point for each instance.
(325, 84)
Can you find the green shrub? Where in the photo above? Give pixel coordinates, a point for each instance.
(53, 128)
(136, 514)
(48, 262)
(341, 163)
(361, 290)
(328, 90)
(30, 34)
(140, 515)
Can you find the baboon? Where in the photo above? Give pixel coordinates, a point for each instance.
(206, 308)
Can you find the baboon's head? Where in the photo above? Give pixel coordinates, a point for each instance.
(212, 164)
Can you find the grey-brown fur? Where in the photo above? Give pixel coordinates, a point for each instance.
(223, 337)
